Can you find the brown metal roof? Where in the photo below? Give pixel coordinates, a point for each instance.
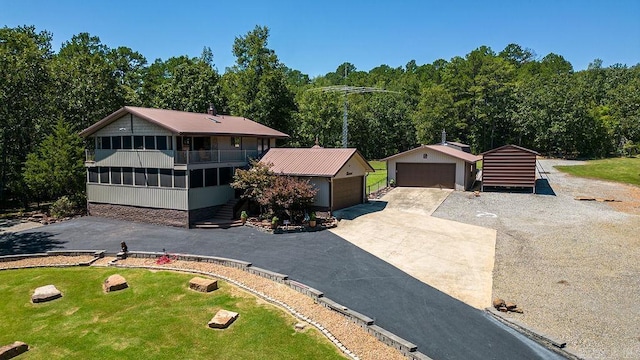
(311, 162)
(181, 122)
(511, 146)
(447, 150)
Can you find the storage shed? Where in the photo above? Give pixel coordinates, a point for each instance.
(434, 166)
(509, 166)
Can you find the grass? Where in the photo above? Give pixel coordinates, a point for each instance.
(157, 317)
(379, 177)
(624, 170)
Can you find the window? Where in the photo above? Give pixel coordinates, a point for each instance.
(106, 142)
(152, 177)
(126, 142)
(236, 141)
(180, 179)
(211, 177)
(93, 175)
(138, 142)
(140, 178)
(150, 142)
(161, 143)
(104, 175)
(195, 179)
(127, 176)
(116, 142)
(226, 173)
(116, 175)
(166, 178)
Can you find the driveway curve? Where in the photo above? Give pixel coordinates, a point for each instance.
(441, 326)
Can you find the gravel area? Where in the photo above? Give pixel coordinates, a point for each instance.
(573, 266)
(351, 336)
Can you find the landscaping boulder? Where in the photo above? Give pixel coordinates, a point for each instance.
(115, 282)
(510, 306)
(45, 293)
(223, 319)
(13, 350)
(497, 303)
(202, 284)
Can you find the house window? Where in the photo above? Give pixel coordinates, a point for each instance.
(116, 175)
(180, 179)
(93, 175)
(106, 142)
(138, 142)
(104, 175)
(161, 143)
(211, 177)
(226, 173)
(236, 141)
(150, 142)
(140, 178)
(152, 177)
(126, 142)
(116, 142)
(195, 179)
(166, 178)
(127, 176)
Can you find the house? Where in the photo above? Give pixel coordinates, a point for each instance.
(446, 166)
(168, 167)
(339, 175)
(509, 166)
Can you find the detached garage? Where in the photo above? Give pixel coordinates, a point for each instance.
(338, 174)
(433, 166)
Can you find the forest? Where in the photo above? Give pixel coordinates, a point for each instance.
(484, 98)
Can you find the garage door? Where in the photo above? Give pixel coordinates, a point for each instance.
(347, 192)
(426, 175)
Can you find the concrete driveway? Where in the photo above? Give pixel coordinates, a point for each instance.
(453, 257)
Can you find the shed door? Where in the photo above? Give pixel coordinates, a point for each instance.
(433, 175)
(347, 192)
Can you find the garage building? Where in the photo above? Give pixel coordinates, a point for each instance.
(338, 174)
(445, 166)
(509, 167)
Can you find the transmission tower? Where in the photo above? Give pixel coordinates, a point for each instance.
(348, 90)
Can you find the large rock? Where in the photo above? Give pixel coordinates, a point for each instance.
(13, 350)
(497, 303)
(115, 282)
(510, 306)
(202, 284)
(223, 319)
(45, 293)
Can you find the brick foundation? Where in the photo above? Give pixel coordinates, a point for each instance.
(169, 217)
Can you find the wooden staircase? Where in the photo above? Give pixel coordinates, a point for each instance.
(222, 219)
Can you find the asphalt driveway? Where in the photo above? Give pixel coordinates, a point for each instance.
(441, 326)
(453, 257)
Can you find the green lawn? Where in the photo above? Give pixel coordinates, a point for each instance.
(624, 170)
(158, 317)
(379, 177)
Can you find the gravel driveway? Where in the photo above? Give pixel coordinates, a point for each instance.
(573, 266)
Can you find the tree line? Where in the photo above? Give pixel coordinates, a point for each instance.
(485, 99)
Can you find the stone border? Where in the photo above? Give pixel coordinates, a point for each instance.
(547, 341)
(97, 254)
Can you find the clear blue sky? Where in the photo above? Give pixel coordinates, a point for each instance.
(315, 37)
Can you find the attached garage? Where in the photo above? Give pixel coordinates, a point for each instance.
(338, 174)
(509, 167)
(433, 166)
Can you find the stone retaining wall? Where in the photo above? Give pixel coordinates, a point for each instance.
(179, 218)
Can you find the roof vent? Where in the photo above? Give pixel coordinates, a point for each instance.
(444, 137)
(212, 110)
(317, 145)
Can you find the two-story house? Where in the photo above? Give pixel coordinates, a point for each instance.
(168, 167)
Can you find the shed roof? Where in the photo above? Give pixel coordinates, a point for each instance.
(511, 146)
(447, 150)
(182, 122)
(324, 162)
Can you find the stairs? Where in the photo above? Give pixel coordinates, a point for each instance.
(222, 219)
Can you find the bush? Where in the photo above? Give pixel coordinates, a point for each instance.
(63, 207)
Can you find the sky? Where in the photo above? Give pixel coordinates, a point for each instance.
(315, 37)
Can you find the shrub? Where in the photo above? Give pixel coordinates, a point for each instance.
(63, 207)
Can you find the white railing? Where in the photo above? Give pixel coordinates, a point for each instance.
(216, 156)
